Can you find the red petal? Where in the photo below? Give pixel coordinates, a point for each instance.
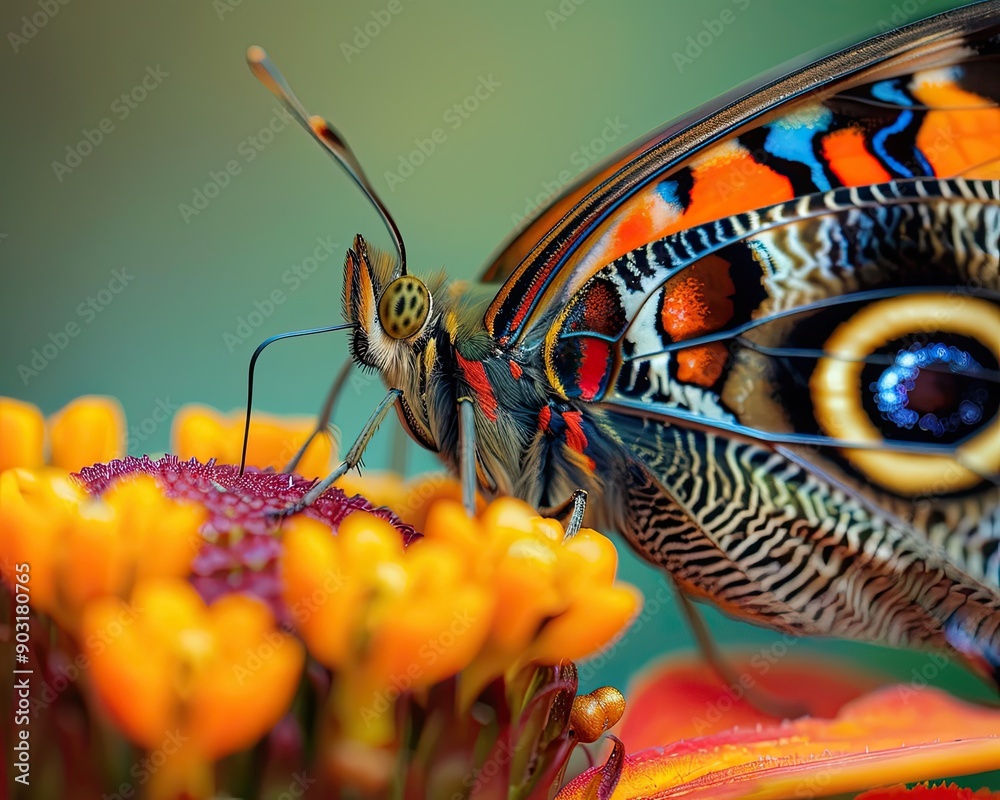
(680, 697)
(897, 734)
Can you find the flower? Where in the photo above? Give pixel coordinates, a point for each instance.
(396, 646)
(184, 672)
(411, 499)
(86, 430)
(240, 540)
(80, 548)
(202, 433)
(926, 792)
(471, 602)
(677, 698)
(897, 733)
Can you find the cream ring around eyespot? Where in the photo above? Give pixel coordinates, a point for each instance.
(836, 384)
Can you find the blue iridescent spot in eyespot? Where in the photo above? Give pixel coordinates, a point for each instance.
(891, 391)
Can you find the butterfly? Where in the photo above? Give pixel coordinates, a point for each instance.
(764, 340)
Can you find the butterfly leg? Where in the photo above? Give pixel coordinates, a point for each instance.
(571, 513)
(467, 453)
(763, 701)
(323, 419)
(353, 457)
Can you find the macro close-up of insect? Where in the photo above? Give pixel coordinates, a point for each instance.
(765, 343)
(705, 497)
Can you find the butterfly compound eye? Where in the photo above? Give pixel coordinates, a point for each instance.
(404, 307)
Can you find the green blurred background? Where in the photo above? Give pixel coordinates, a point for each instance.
(559, 70)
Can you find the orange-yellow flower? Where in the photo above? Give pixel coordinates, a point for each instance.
(213, 678)
(85, 431)
(410, 500)
(474, 598)
(22, 435)
(204, 433)
(80, 548)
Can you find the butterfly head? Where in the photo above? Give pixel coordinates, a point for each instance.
(390, 311)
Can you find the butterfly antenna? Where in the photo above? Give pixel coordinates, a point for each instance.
(253, 363)
(329, 137)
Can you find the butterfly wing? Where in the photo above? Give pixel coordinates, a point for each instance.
(786, 314)
(812, 130)
(808, 396)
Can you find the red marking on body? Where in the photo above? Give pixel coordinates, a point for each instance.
(593, 367)
(698, 300)
(702, 364)
(544, 418)
(845, 152)
(576, 439)
(515, 370)
(475, 376)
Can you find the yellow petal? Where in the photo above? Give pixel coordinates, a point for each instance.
(86, 431)
(379, 488)
(36, 508)
(448, 522)
(202, 432)
(217, 677)
(587, 625)
(22, 435)
(163, 534)
(589, 555)
(429, 639)
(96, 559)
(252, 677)
(132, 672)
(372, 550)
(424, 492)
(324, 604)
